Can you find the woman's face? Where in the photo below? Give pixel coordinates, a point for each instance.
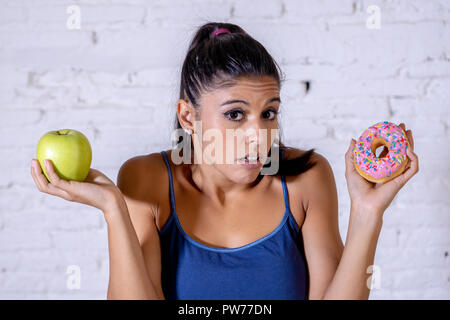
(248, 112)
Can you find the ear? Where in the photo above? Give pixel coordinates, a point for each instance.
(185, 112)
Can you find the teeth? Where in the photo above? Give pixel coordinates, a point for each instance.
(248, 159)
(251, 158)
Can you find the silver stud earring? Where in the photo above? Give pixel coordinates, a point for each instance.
(188, 131)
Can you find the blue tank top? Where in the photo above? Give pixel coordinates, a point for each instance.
(270, 268)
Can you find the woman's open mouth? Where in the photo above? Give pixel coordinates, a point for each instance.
(249, 162)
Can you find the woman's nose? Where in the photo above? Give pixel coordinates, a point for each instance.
(255, 129)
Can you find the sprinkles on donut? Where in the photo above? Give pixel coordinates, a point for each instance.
(381, 169)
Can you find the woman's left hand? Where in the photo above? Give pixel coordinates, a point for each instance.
(374, 198)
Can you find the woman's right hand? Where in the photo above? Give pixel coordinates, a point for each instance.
(97, 190)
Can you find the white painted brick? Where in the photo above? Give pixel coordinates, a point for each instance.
(413, 294)
(32, 281)
(127, 13)
(291, 90)
(431, 154)
(308, 108)
(194, 13)
(376, 294)
(17, 45)
(12, 77)
(98, 117)
(393, 44)
(19, 118)
(306, 129)
(80, 240)
(437, 293)
(12, 14)
(415, 257)
(436, 236)
(306, 43)
(23, 296)
(296, 11)
(264, 9)
(74, 217)
(438, 89)
(419, 215)
(434, 187)
(24, 198)
(410, 10)
(376, 88)
(50, 260)
(417, 279)
(53, 15)
(20, 238)
(423, 126)
(345, 129)
(389, 237)
(311, 70)
(124, 96)
(146, 78)
(430, 68)
(365, 108)
(78, 295)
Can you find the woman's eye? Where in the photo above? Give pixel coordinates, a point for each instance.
(233, 115)
(237, 115)
(266, 114)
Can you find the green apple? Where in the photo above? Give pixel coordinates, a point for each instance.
(70, 152)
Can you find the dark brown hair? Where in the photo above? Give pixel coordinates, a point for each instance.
(215, 61)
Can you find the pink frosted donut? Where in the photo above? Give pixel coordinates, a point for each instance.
(381, 169)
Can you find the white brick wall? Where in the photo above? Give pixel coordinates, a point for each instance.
(116, 79)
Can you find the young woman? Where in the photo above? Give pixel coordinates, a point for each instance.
(224, 230)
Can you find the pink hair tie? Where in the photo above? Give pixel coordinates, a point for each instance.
(220, 30)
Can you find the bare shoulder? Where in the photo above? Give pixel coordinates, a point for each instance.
(140, 179)
(311, 182)
(321, 163)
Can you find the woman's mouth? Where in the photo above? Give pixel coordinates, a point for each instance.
(249, 162)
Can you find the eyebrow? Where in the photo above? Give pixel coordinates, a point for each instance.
(246, 103)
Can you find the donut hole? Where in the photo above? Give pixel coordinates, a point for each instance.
(379, 148)
(381, 151)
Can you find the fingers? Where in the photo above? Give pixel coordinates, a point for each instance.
(411, 169)
(410, 139)
(96, 176)
(38, 177)
(349, 164)
(42, 183)
(409, 135)
(349, 153)
(54, 178)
